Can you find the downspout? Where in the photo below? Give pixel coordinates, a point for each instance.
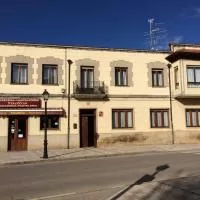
(170, 100)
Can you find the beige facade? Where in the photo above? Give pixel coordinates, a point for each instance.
(117, 96)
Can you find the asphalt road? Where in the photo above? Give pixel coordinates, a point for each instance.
(92, 179)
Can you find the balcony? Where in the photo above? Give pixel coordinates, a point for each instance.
(94, 90)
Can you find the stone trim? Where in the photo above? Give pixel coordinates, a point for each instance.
(125, 64)
(1, 69)
(51, 61)
(19, 59)
(157, 65)
(88, 63)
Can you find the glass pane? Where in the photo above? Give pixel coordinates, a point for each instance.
(165, 119)
(55, 77)
(160, 79)
(115, 119)
(15, 74)
(118, 77)
(45, 75)
(197, 73)
(90, 78)
(124, 77)
(194, 119)
(190, 74)
(130, 121)
(154, 79)
(159, 119)
(198, 118)
(23, 74)
(122, 118)
(188, 118)
(153, 124)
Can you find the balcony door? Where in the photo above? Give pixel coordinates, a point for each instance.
(87, 77)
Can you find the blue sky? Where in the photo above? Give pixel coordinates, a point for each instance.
(99, 23)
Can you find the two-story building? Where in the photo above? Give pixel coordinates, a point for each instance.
(116, 96)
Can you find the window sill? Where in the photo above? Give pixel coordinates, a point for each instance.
(19, 84)
(122, 128)
(50, 84)
(121, 85)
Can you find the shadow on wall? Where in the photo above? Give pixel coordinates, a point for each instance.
(144, 179)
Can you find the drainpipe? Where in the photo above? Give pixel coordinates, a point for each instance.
(68, 124)
(170, 100)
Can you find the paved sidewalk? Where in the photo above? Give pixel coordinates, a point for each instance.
(82, 153)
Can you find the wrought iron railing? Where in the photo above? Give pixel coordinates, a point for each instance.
(94, 87)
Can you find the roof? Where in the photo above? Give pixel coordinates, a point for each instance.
(192, 54)
(84, 47)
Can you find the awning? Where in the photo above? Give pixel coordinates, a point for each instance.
(32, 112)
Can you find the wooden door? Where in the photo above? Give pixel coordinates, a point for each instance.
(84, 131)
(17, 134)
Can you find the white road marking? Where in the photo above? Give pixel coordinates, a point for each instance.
(117, 186)
(54, 196)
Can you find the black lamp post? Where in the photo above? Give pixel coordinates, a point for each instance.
(45, 95)
(68, 124)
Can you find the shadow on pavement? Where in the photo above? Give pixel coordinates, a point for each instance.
(144, 179)
(187, 188)
(63, 154)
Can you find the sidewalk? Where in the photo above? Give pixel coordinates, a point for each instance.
(23, 157)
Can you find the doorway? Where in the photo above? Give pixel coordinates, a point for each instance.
(17, 133)
(88, 136)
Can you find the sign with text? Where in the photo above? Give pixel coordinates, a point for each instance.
(20, 103)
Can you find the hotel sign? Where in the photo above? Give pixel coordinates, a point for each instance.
(20, 103)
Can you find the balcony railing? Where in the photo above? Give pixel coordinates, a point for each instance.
(94, 89)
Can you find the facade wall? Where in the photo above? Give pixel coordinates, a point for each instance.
(138, 95)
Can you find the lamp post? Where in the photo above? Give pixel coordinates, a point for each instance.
(45, 95)
(68, 122)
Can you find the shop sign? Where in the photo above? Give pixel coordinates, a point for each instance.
(20, 103)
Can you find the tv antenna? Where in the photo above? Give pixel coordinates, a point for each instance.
(156, 35)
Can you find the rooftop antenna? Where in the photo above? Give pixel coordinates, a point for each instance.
(156, 35)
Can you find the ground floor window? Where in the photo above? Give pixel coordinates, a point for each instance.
(193, 117)
(122, 118)
(52, 122)
(159, 118)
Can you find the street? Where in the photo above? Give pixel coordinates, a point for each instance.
(97, 178)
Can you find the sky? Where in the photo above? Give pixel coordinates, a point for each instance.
(100, 23)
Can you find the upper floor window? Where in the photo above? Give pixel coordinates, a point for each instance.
(122, 118)
(157, 78)
(159, 118)
(121, 76)
(193, 76)
(176, 78)
(49, 74)
(87, 77)
(19, 73)
(193, 118)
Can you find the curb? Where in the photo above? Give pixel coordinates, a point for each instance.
(72, 158)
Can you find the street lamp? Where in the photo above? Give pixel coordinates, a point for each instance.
(45, 95)
(68, 124)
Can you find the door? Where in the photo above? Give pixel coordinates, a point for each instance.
(17, 133)
(87, 79)
(88, 128)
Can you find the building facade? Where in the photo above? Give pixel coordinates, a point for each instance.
(116, 96)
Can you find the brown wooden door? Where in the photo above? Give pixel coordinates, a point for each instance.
(17, 134)
(84, 131)
(88, 136)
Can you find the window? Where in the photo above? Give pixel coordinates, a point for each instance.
(50, 74)
(193, 118)
(52, 122)
(176, 79)
(87, 77)
(193, 76)
(19, 73)
(157, 78)
(122, 118)
(159, 118)
(121, 76)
